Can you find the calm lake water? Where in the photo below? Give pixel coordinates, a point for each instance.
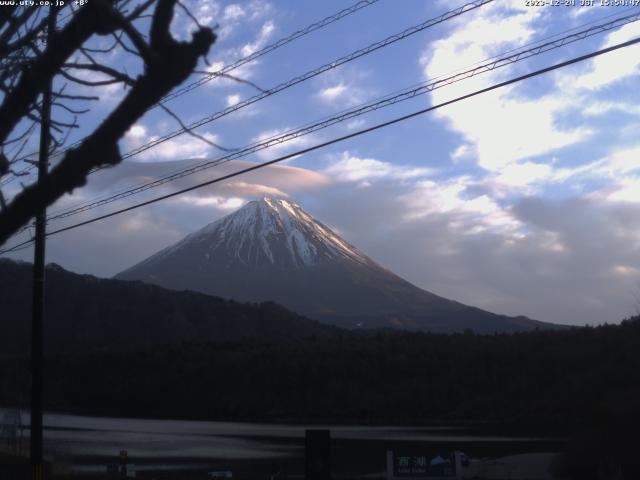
(87, 441)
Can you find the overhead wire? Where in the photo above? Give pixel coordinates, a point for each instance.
(382, 102)
(313, 73)
(343, 138)
(228, 68)
(467, 7)
(603, 27)
(309, 75)
(268, 49)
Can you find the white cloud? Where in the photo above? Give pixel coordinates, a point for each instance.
(625, 270)
(109, 94)
(602, 108)
(236, 15)
(232, 99)
(259, 9)
(349, 168)
(579, 12)
(241, 17)
(628, 190)
(344, 89)
(247, 189)
(233, 12)
(499, 127)
(207, 11)
(624, 190)
(178, 148)
(215, 67)
(482, 34)
(470, 214)
(230, 55)
(244, 72)
(183, 146)
(619, 162)
(461, 152)
(215, 201)
(610, 68)
(136, 131)
(355, 124)
(273, 180)
(266, 31)
(524, 174)
(330, 94)
(508, 137)
(615, 166)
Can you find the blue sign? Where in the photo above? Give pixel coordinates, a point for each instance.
(423, 466)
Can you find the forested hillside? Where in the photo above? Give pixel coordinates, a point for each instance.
(540, 382)
(85, 313)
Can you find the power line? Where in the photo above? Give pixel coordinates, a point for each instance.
(294, 81)
(269, 48)
(407, 93)
(342, 138)
(306, 76)
(313, 73)
(383, 102)
(228, 68)
(549, 38)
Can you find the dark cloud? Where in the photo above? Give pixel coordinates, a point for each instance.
(576, 264)
(571, 261)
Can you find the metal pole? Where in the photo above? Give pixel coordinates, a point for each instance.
(37, 357)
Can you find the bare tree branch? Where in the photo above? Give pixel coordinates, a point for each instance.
(75, 97)
(112, 72)
(15, 24)
(69, 109)
(232, 77)
(167, 64)
(6, 48)
(189, 131)
(88, 20)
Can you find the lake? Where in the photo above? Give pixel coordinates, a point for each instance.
(83, 443)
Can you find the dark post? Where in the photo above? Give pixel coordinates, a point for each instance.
(37, 360)
(124, 458)
(317, 454)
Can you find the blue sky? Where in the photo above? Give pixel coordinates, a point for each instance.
(524, 200)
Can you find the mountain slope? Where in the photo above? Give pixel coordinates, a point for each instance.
(87, 313)
(273, 250)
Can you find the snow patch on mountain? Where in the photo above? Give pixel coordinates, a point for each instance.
(257, 232)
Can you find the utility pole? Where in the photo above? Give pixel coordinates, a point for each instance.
(37, 356)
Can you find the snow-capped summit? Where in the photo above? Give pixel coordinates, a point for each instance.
(271, 231)
(275, 231)
(273, 250)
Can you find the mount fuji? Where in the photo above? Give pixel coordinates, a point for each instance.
(273, 250)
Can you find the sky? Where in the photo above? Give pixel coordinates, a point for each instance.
(522, 201)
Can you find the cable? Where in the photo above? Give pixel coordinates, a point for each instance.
(243, 152)
(269, 48)
(232, 66)
(383, 102)
(296, 80)
(342, 138)
(313, 73)
(545, 39)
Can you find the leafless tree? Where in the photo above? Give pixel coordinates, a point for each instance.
(28, 64)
